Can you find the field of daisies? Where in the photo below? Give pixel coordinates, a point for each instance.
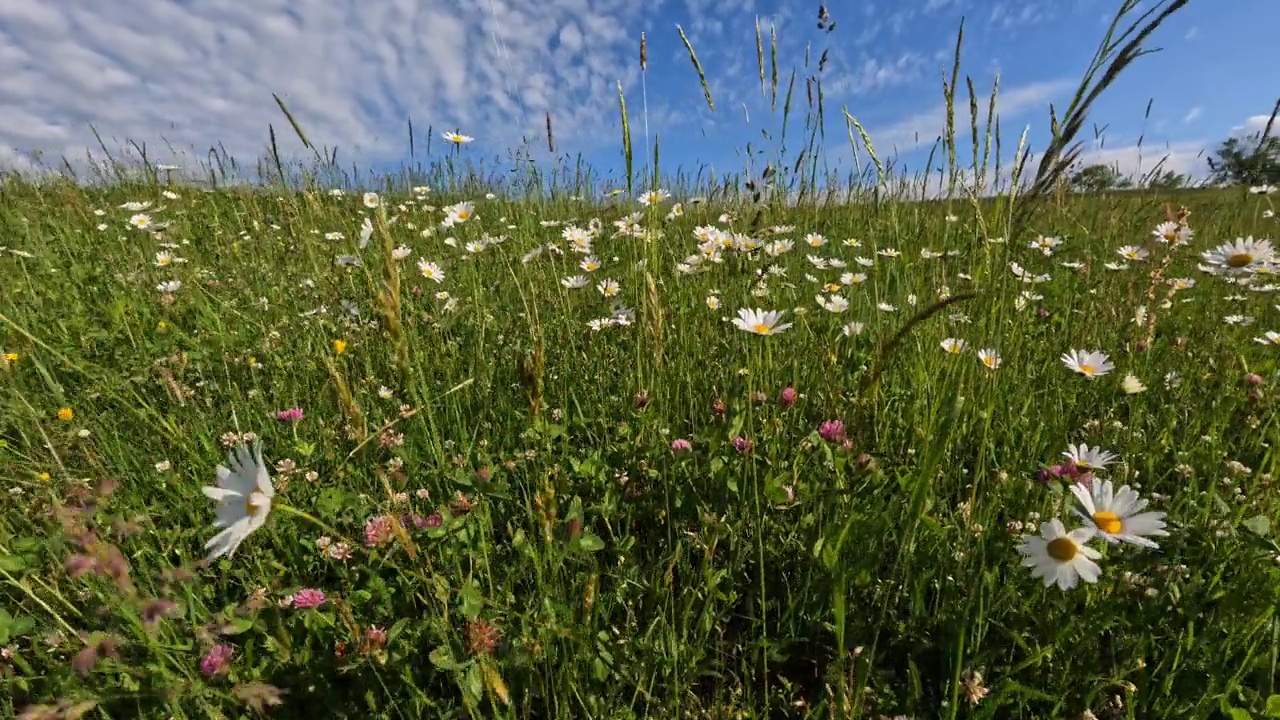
(439, 453)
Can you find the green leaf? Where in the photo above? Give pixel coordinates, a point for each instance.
(13, 563)
(22, 625)
(26, 544)
(1259, 525)
(590, 542)
(475, 683)
(235, 626)
(472, 601)
(396, 629)
(1273, 706)
(331, 502)
(442, 657)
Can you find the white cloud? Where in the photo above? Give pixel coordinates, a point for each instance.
(1185, 158)
(1255, 125)
(1192, 114)
(198, 74)
(875, 73)
(925, 127)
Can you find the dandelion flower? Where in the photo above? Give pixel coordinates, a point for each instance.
(243, 494)
(1058, 556)
(760, 322)
(1117, 516)
(65, 414)
(1090, 363)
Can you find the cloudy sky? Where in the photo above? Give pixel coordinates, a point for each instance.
(191, 74)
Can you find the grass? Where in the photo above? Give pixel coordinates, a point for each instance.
(491, 497)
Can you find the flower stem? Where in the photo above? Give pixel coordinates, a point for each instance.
(305, 516)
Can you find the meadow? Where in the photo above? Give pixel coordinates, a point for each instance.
(712, 452)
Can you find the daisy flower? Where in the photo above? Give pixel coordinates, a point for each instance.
(1117, 516)
(833, 303)
(431, 271)
(1239, 255)
(1132, 252)
(760, 322)
(1131, 385)
(243, 494)
(654, 197)
(459, 213)
(1090, 363)
(457, 138)
(1058, 556)
(1171, 232)
(989, 358)
(1089, 458)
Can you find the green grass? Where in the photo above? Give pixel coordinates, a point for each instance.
(579, 566)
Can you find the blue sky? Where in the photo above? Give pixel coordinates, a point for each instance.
(188, 75)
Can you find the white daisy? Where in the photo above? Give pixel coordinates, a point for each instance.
(760, 322)
(1116, 515)
(1058, 556)
(1090, 363)
(243, 495)
(1240, 255)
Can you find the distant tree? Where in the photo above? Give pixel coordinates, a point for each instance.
(1251, 160)
(1168, 180)
(1098, 178)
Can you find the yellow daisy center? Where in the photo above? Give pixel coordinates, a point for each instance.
(1239, 260)
(989, 361)
(761, 329)
(1107, 522)
(464, 214)
(1062, 549)
(251, 506)
(1088, 369)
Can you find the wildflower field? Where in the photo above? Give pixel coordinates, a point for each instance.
(437, 450)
